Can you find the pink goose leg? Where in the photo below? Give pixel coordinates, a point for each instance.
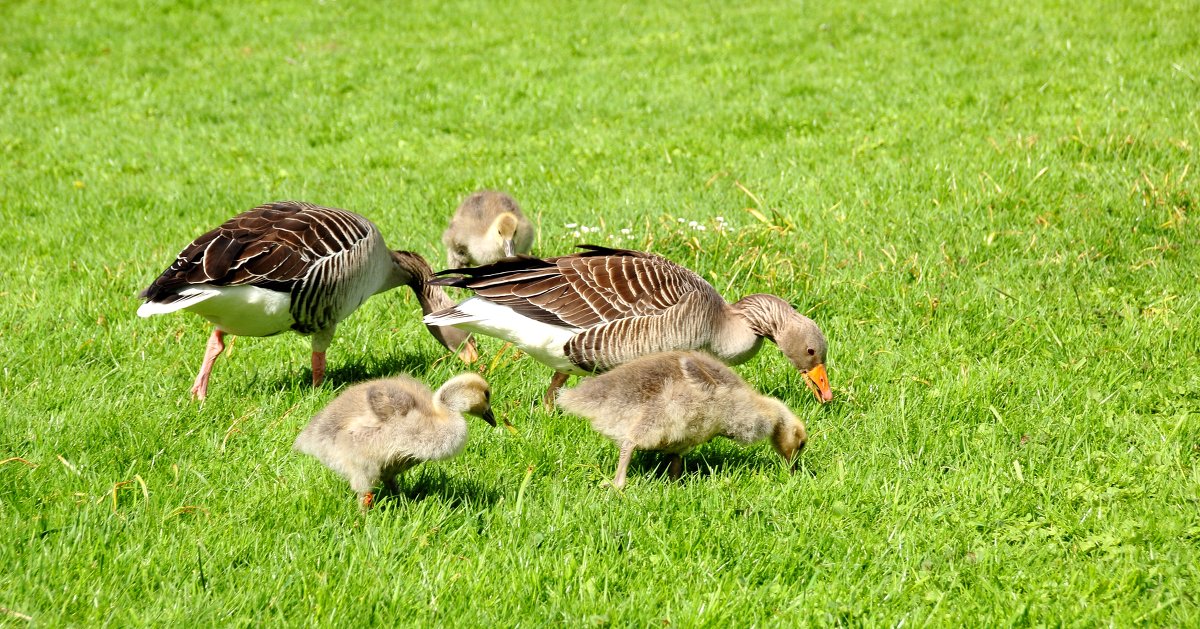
(216, 345)
(318, 368)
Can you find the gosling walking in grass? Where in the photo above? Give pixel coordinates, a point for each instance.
(488, 226)
(675, 401)
(376, 430)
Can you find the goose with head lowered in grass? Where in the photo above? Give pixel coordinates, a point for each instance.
(291, 266)
(592, 311)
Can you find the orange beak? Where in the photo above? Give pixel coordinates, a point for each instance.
(818, 382)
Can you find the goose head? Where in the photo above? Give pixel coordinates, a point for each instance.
(790, 435)
(468, 393)
(797, 336)
(412, 270)
(457, 341)
(802, 342)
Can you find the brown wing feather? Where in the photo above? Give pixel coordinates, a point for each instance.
(271, 246)
(583, 290)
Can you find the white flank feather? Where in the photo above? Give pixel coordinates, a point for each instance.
(242, 310)
(542, 341)
(190, 297)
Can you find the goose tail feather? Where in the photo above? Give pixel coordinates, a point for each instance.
(177, 301)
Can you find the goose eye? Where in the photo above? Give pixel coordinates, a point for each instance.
(811, 351)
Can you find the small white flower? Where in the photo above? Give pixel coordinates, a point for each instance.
(701, 227)
(576, 233)
(570, 225)
(692, 224)
(626, 230)
(681, 220)
(720, 219)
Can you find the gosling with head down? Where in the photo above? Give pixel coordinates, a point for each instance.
(376, 430)
(675, 401)
(487, 227)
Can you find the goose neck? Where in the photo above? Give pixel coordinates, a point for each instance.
(765, 314)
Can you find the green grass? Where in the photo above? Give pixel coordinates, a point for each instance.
(988, 207)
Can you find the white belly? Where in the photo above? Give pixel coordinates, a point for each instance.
(244, 310)
(542, 341)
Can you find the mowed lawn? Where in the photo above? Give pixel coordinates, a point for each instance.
(990, 208)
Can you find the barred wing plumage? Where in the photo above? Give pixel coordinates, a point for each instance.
(272, 246)
(583, 290)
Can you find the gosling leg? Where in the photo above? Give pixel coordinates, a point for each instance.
(623, 464)
(674, 466)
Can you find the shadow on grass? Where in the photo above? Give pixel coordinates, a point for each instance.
(344, 373)
(456, 492)
(415, 365)
(712, 459)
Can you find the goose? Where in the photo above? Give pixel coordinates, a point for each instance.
(488, 226)
(591, 311)
(376, 430)
(290, 265)
(675, 401)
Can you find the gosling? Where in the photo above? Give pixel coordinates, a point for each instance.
(488, 226)
(675, 401)
(376, 430)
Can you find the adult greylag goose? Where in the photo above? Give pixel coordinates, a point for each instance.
(675, 401)
(376, 430)
(488, 226)
(591, 311)
(290, 266)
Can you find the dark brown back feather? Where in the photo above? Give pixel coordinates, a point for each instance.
(582, 290)
(271, 246)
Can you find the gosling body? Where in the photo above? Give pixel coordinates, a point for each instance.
(374, 431)
(675, 401)
(486, 227)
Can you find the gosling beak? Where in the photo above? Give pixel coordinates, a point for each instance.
(796, 456)
(489, 417)
(510, 249)
(818, 382)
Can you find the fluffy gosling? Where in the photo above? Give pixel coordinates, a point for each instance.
(376, 430)
(675, 401)
(488, 226)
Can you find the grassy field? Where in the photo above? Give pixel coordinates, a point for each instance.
(990, 209)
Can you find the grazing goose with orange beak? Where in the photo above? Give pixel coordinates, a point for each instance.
(589, 312)
(290, 266)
